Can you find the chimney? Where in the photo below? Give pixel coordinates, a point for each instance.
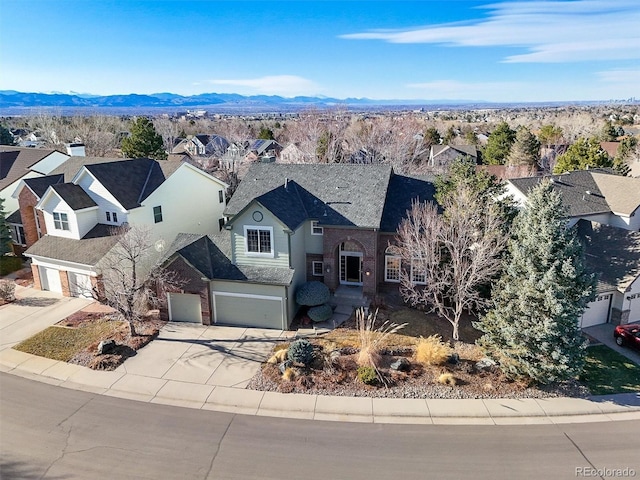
(76, 150)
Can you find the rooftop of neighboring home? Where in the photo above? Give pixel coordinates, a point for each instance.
(15, 162)
(360, 196)
(469, 150)
(87, 251)
(613, 253)
(588, 192)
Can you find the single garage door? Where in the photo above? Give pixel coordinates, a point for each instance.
(248, 311)
(184, 307)
(50, 279)
(597, 312)
(80, 285)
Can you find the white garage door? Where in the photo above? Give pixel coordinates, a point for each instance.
(80, 285)
(50, 279)
(248, 310)
(597, 312)
(184, 307)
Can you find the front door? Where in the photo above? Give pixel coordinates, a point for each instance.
(351, 268)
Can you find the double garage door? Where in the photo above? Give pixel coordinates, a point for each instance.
(259, 311)
(79, 283)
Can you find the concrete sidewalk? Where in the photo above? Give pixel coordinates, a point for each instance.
(204, 367)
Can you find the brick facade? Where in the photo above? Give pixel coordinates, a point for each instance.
(36, 277)
(367, 244)
(64, 282)
(314, 257)
(27, 201)
(193, 284)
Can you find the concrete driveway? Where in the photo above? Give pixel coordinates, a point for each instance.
(604, 334)
(33, 311)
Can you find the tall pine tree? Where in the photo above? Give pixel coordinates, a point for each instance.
(533, 328)
(144, 141)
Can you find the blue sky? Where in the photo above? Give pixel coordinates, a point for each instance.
(465, 50)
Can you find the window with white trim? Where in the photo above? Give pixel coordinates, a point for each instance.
(17, 235)
(258, 241)
(157, 214)
(315, 228)
(220, 196)
(392, 265)
(418, 272)
(60, 221)
(108, 216)
(317, 269)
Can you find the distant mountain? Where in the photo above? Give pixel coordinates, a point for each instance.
(14, 99)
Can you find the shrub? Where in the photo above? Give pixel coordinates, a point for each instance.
(447, 379)
(289, 374)
(278, 357)
(312, 294)
(320, 313)
(9, 264)
(301, 351)
(432, 351)
(367, 375)
(7, 290)
(372, 339)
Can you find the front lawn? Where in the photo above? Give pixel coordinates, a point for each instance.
(63, 343)
(607, 372)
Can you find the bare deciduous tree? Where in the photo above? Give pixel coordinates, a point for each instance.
(131, 281)
(451, 254)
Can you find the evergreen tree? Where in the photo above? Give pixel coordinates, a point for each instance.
(432, 136)
(143, 141)
(265, 133)
(5, 136)
(525, 149)
(499, 145)
(533, 330)
(5, 231)
(583, 154)
(609, 132)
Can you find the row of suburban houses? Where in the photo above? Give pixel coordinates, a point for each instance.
(284, 225)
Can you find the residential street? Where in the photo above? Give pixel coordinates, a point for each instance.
(53, 433)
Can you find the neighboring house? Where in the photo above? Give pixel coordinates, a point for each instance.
(80, 215)
(259, 149)
(444, 155)
(17, 164)
(504, 172)
(289, 224)
(292, 153)
(596, 195)
(206, 145)
(613, 254)
(611, 148)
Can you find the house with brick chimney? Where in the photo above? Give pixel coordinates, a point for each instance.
(289, 224)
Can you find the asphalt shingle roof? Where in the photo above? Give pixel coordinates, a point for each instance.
(39, 185)
(15, 162)
(613, 253)
(334, 194)
(129, 181)
(210, 256)
(578, 189)
(74, 196)
(73, 165)
(87, 251)
(402, 192)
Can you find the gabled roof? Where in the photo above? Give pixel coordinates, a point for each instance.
(578, 189)
(622, 193)
(129, 181)
(402, 192)
(70, 168)
(87, 251)
(209, 255)
(613, 253)
(39, 185)
(74, 196)
(261, 145)
(469, 150)
(15, 162)
(333, 194)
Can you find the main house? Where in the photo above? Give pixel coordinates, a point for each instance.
(289, 224)
(76, 219)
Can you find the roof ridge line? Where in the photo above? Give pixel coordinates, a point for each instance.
(146, 181)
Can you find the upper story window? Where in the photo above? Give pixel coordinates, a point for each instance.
(157, 214)
(60, 221)
(259, 240)
(315, 228)
(221, 196)
(17, 235)
(112, 217)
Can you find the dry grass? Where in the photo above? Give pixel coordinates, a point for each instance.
(63, 343)
(432, 351)
(421, 324)
(447, 379)
(371, 340)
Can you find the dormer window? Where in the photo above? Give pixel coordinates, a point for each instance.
(60, 221)
(258, 241)
(112, 217)
(315, 228)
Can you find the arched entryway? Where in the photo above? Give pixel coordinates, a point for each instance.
(351, 259)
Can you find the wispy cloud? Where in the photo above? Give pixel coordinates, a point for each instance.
(548, 31)
(284, 85)
(620, 76)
